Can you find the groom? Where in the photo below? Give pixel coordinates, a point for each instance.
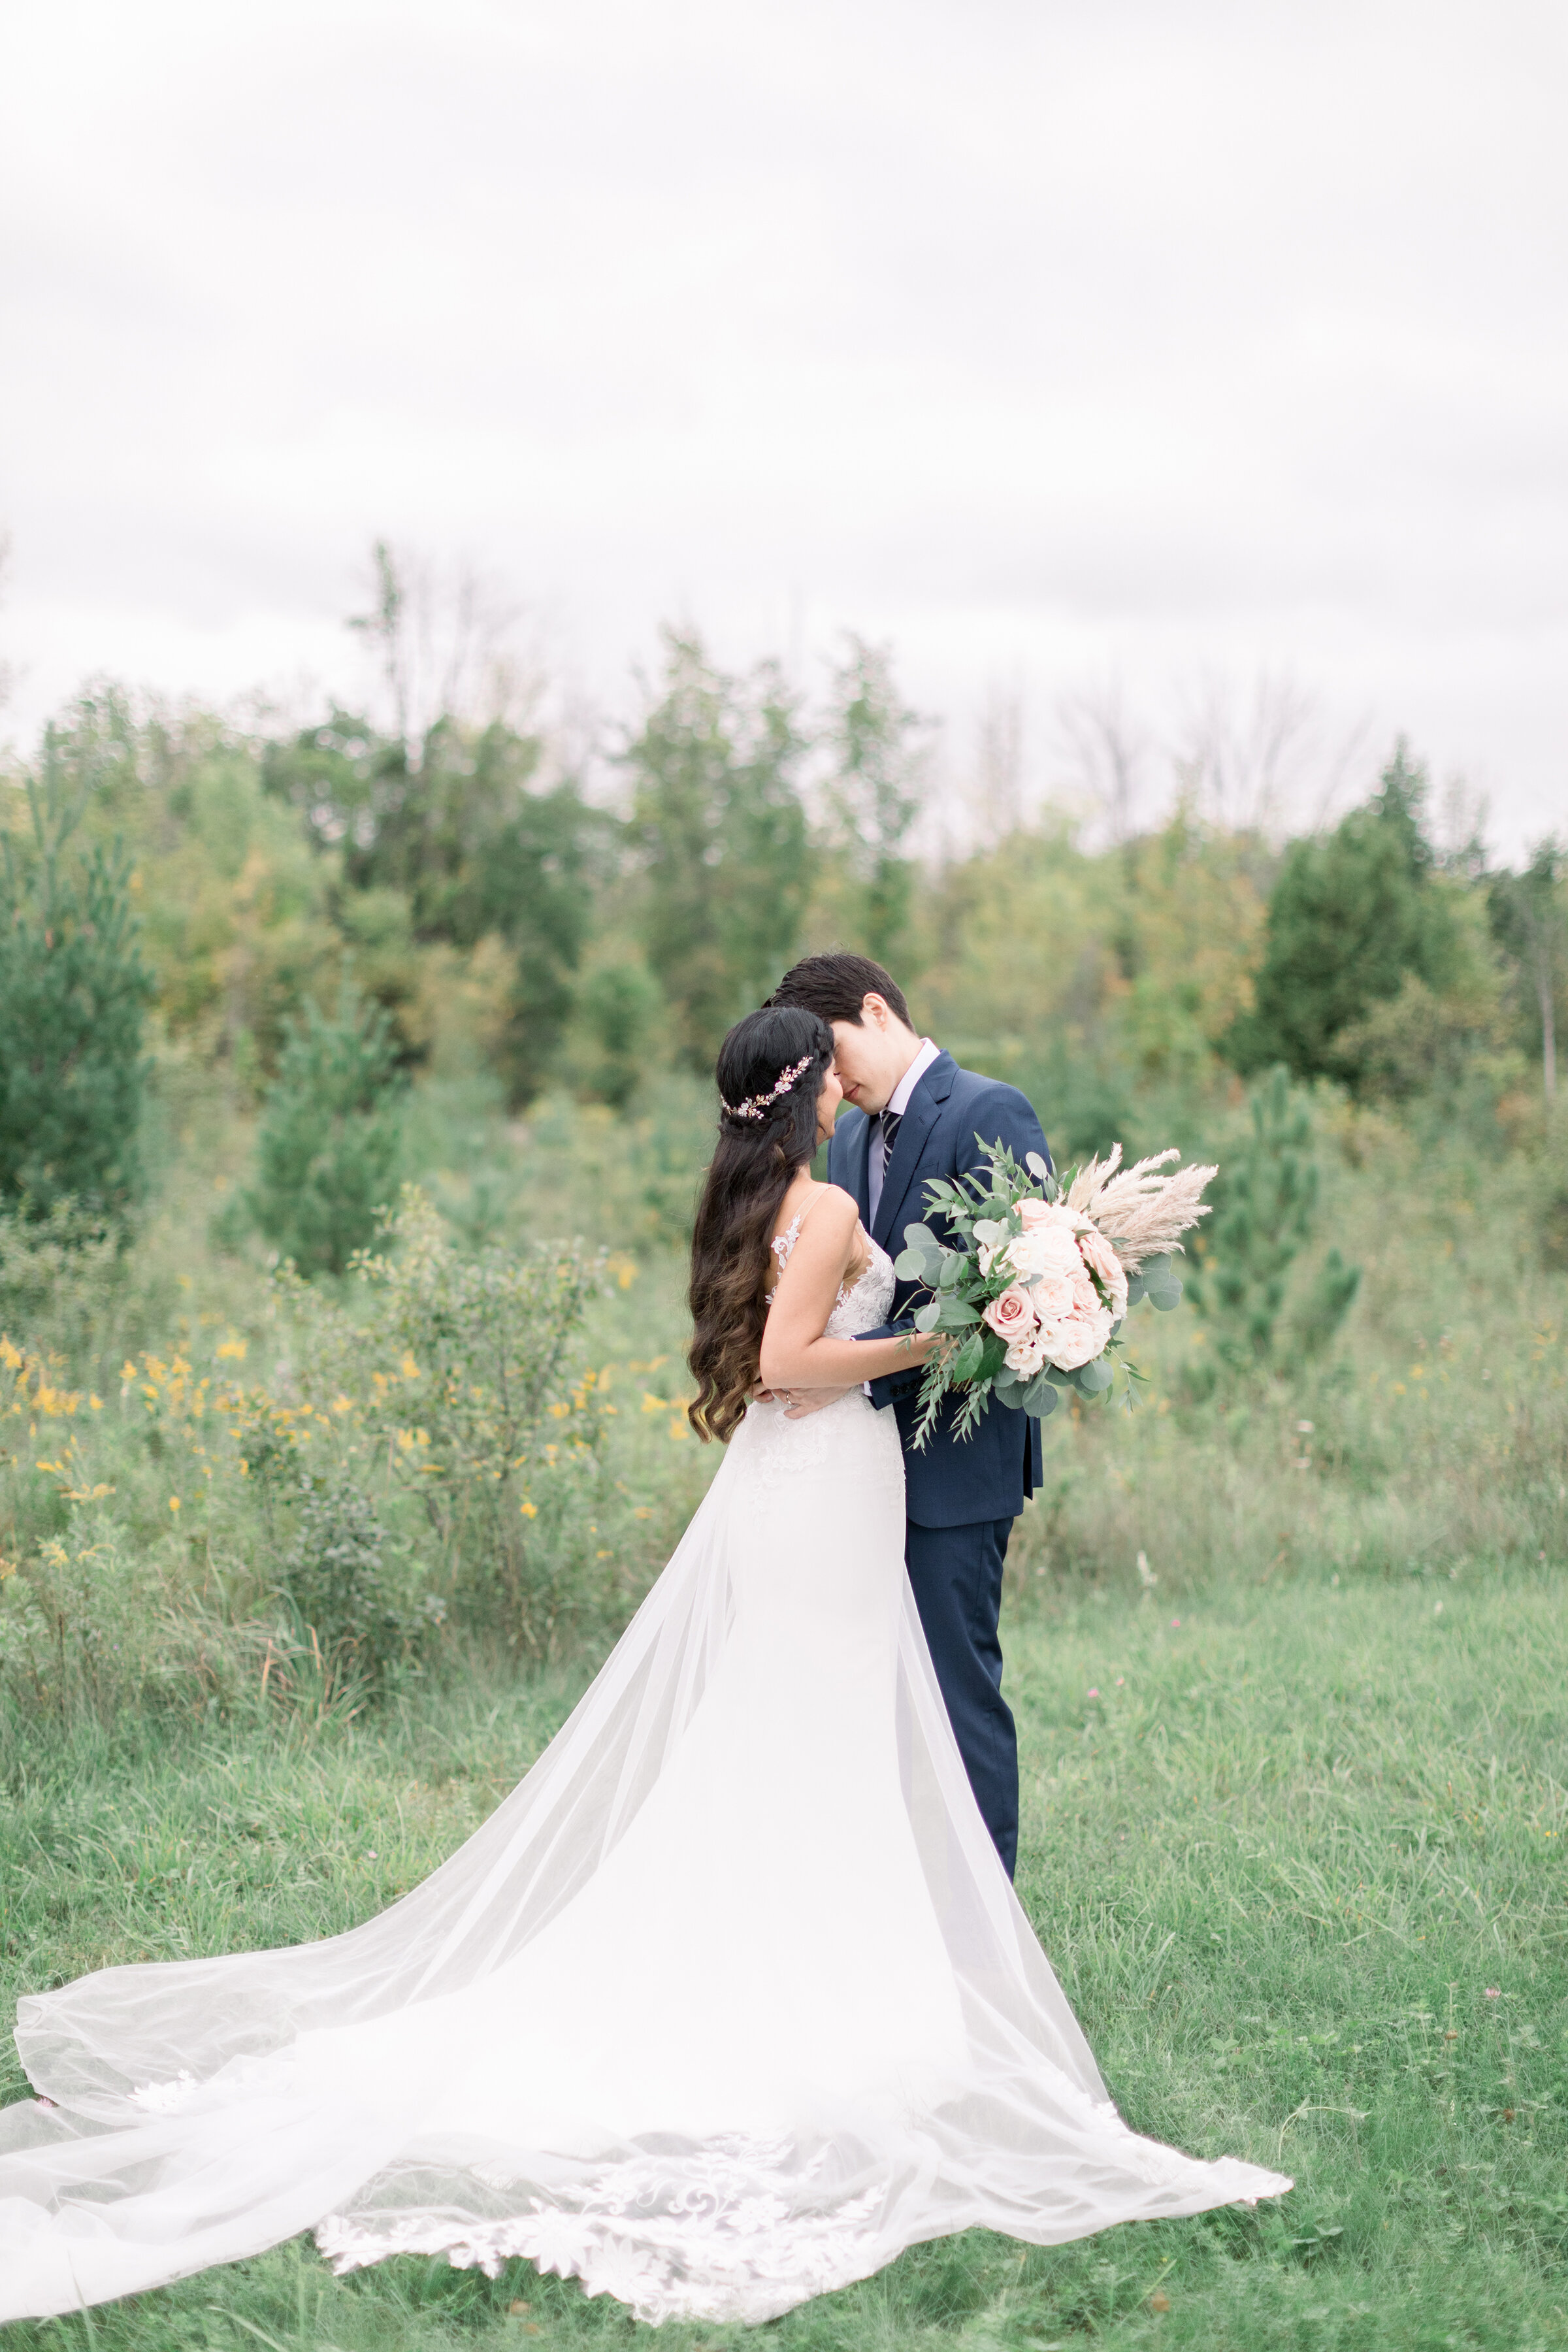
(915, 1117)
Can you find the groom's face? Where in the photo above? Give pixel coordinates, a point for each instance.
(871, 1054)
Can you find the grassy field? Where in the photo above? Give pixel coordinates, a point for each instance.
(1298, 1856)
(1288, 1649)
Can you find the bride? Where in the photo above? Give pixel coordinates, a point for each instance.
(731, 2000)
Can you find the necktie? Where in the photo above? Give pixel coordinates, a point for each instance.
(892, 1120)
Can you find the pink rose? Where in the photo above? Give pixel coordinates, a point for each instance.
(1102, 1259)
(1012, 1316)
(1076, 1338)
(1033, 1212)
(1044, 1248)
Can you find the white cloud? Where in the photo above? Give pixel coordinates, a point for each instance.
(1043, 339)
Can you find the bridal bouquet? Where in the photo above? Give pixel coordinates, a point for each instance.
(1034, 1289)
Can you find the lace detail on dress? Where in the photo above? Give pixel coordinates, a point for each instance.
(729, 2233)
(784, 1244)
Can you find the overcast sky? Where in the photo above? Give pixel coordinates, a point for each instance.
(1051, 339)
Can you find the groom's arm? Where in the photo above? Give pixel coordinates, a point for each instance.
(997, 1114)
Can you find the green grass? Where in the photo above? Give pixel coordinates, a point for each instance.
(1279, 1862)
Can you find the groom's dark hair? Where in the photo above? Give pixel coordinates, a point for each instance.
(835, 987)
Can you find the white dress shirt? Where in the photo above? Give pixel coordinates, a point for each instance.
(898, 1102)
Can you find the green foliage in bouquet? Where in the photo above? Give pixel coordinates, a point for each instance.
(964, 1280)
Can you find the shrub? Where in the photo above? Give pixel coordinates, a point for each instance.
(619, 1007)
(57, 1276)
(89, 1623)
(354, 1589)
(330, 1133)
(448, 1368)
(73, 988)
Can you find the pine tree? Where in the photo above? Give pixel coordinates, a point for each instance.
(73, 993)
(1351, 913)
(330, 1127)
(1263, 1220)
(1530, 918)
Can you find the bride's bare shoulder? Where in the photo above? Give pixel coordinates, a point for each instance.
(826, 1210)
(833, 1203)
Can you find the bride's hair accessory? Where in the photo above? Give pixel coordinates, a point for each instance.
(756, 1105)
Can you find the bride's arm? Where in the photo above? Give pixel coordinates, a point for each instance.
(794, 1353)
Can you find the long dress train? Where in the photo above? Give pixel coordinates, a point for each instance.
(726, 2004)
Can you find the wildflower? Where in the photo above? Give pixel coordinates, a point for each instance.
(174, 1505)
(232, 1347)
(1175, 1623)
(1094, 1694)
(1146, 1576)
(529, 1510)
(1494, 1992)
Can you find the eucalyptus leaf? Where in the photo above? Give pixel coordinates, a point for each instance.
(1040, 1397)
(926, 1316)
(1095, 1379)
(966, 1363)
(1035, 1165)
(1136, 1288)
(909, 1266)
(957, 1315)
(1164, 1300)
(922, 1238)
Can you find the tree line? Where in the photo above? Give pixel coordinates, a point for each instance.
(332, 908)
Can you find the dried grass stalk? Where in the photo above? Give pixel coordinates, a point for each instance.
(1141, 1213)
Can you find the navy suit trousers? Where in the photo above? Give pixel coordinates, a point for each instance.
(956, 1575)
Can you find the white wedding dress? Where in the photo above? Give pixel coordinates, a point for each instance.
(729, 2002)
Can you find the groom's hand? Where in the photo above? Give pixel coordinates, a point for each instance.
(798, 1403)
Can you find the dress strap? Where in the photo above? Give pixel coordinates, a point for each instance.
(784, 1244)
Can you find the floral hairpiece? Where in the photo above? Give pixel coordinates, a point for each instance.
(755, 1105)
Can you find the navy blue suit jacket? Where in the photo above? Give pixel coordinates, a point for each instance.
(986, 1476)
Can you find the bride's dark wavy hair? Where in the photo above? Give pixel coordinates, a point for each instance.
(751, 1171)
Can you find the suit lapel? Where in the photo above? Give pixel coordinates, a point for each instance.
(849, 1148)
(925, 1107)
(861, 1168)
